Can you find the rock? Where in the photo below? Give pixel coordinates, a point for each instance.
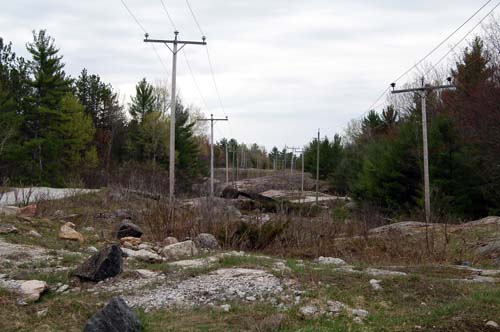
(92, 249)
(143, 255)
(32, 289)
(67, 232)
(89, 229)
(330, 260)
(28, 211)
(384, 273)
(335, 307)
(489, 249)
(179, 250)
(128, 228)
(264, 218)
(105, 264)
(9, 210)
(281, 267)
(376, 284)
(34, 233)
(42, 313)
(308, 311)
(62, 289)
(251, 298)
(358, 320)
(7, 229)
(360, 313)
(492, 324)
(230, 193)
(207, 241)
(130, 241)
(145, 246)
(146, 273)
(169, 241)
(225, 307)
(116, 316)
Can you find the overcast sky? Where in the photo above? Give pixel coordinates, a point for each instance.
(284, 68)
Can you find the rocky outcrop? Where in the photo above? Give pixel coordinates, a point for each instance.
(7, 229)
(330, 260)
(128, 229)
(143, 255)
(179, 250)
(105, 264)
(67, 232)
(169, 241)
(116, 316)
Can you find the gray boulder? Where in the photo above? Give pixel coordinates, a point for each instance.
(116, 316)
(128, 228)
(207, 241)
(107, 263)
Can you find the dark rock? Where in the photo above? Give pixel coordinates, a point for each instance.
(105, 264)
(128, 228)
(207, 241)
(230, 193)
(7, 229)
(116, 316)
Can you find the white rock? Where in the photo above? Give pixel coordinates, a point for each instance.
(308, 311)
(145, 246)
(9, 210)
(62, 289)
(179, 250)
(358, 320)
(335, 306)
(89, 229)
(492, 324)
(92, 249)
(330, 260)
(376, 284)
(225, 307)
(143, 255)
(251, 298)
(34, 233)
(384, 273)
(146, 273)
(360, 313)
(281, 267)
(32, 289)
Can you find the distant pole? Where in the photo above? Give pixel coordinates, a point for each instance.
(425, 89)
(302, 177)
(227, 164)
(317, 170)
(212, 120)
(175, 42)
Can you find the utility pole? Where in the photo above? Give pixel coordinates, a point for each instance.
(302, 176)
(293, 156)
(425, 89)
(173, 103)
(212, 151)
(227, 164)
(317, 170)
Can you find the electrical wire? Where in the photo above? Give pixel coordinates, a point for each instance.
(194, 18)
(145, 32)
(463, 38)
(168, 14)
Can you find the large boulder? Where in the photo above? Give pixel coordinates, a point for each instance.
(490, 249)
(207, 241)
(105, 264)
(32, 289)
(169, 241)
(67, 232)
(116, 316)
(9, 210)
(180, 250)
(128, 228)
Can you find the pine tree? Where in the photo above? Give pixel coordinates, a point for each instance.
(143, 102)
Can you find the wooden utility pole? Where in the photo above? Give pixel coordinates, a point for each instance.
(175, 49)
(212, 151)
(425, 89)
(317, 170)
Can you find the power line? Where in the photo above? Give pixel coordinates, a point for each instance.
(194, 80)
(429, 54)
(442, 42)
(168, 15)
(194, 18)
(145, 32)
(463, 38)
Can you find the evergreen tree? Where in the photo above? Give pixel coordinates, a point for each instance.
(143, 102)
